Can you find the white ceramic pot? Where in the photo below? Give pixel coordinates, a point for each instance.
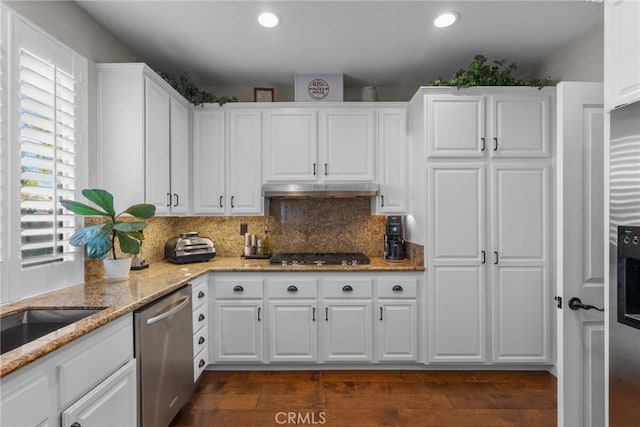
(117, 269)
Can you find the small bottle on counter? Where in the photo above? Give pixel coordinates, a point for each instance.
(266, 244)
(260, 249)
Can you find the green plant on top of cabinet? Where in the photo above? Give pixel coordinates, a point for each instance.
(319, 145)
(143, 138)
(227, 161)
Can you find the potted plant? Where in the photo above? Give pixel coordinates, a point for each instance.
(100, 239)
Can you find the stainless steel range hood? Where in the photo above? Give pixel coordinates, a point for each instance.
(308, 191)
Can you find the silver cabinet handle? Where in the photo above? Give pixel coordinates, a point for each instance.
(314, 169)
(495, 144)
(259, 310)
(326, 170)
(484, 257)
(326, 314)
(495, 254)
(176, 199)
(183, 302)
(168, 199)
(484, 144)
(382, 198)
(232, 197)
(313, 315)
(220, 201)
(381, 314)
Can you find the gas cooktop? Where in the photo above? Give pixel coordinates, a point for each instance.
(322, 258)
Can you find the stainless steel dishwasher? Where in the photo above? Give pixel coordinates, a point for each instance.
(164, 350)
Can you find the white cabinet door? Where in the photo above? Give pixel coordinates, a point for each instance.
(293, 331)
(290, 139)
(397, 331)
(347, 331)
(209, 162)
(245, 163)
(455, 126)
(457, 314)
(519, 126)
(26, 400)
(520, 314)
(157, 148)
(180, 165)
(457, 212)
(392, 161)
(348, 145)
(111, 403)
(520, 213)
(236, 331)
(622, 52)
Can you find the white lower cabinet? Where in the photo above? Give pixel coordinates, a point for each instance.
(293, 331)
(91, 381)
(112, 403)
(200, 322)
(397, 338)
(347, 331)
(236, 329)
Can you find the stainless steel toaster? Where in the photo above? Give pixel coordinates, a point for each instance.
(189, 247)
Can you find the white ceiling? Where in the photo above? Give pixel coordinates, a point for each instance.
(383, 43)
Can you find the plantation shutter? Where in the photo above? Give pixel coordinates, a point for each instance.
(47, 136)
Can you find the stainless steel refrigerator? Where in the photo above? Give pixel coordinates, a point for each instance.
(624, 289)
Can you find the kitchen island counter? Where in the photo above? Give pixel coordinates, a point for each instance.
(141, 288)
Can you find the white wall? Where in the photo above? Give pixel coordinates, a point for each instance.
(70, 24)
(581, 59)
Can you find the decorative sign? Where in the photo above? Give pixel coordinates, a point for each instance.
(319, 87)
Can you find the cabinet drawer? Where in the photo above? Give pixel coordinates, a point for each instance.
(200, 362)
(238, 288)
(200, 317)
(199, 293)
(347, 288)
(110, 347)
(200, 340)
(402, 288)
(296, 288)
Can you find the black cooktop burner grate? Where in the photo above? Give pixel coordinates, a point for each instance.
(319, 258)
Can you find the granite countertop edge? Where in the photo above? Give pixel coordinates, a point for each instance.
(141, 288)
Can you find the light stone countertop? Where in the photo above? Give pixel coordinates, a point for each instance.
(141, 288)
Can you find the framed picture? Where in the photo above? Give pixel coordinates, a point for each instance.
(263, 94)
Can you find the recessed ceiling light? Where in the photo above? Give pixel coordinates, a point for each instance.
(269, 19)
(446, 19)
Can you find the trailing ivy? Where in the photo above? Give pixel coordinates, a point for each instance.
(480, 73)
(192, 93)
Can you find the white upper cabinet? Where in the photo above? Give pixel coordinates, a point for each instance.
(244, 184)
(319, 145)
(290, 140)
(622, 52)
(519, 126)
(455, 126)
(227, 161)
(347, 145)
(209, 162)
(143, 139)
(512, 123)
(392, 161)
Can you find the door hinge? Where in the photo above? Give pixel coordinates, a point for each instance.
(559, 300)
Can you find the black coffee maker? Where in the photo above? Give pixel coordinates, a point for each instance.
(394, 239)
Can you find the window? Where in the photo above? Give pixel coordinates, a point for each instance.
(43, 151)
(47, 160)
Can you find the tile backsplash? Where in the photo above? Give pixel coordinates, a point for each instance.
(294, 225)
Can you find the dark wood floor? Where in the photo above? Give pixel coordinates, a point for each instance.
(366, 398)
